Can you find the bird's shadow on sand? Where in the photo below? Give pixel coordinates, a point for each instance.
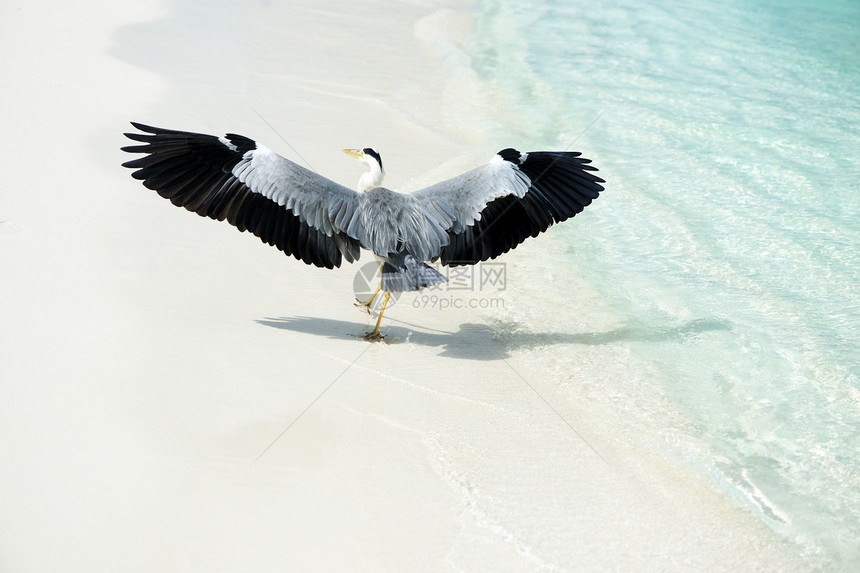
(494, 341)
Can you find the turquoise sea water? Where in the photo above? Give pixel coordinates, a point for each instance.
(729, 136)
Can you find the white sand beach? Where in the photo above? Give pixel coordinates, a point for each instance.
(178, 397)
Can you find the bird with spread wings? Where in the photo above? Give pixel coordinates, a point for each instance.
(464, 220)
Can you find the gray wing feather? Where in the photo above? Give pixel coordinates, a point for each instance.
(318, 201)
(461, 199)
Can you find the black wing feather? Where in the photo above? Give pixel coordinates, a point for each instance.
(195, 171)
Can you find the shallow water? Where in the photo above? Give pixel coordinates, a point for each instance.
(717, 277)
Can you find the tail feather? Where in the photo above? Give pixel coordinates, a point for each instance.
(411, 275)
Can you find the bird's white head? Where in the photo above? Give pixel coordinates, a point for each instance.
(370, 157)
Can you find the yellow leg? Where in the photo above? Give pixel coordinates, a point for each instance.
(366, 305)
(375, 334)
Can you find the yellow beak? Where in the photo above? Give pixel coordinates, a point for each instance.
(357, 153)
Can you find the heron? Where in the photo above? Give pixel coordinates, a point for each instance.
(473, 217)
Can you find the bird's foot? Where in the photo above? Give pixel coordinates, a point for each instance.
(365, 306)
(374, 336)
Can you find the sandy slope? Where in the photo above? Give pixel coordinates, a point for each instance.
(177, 397)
